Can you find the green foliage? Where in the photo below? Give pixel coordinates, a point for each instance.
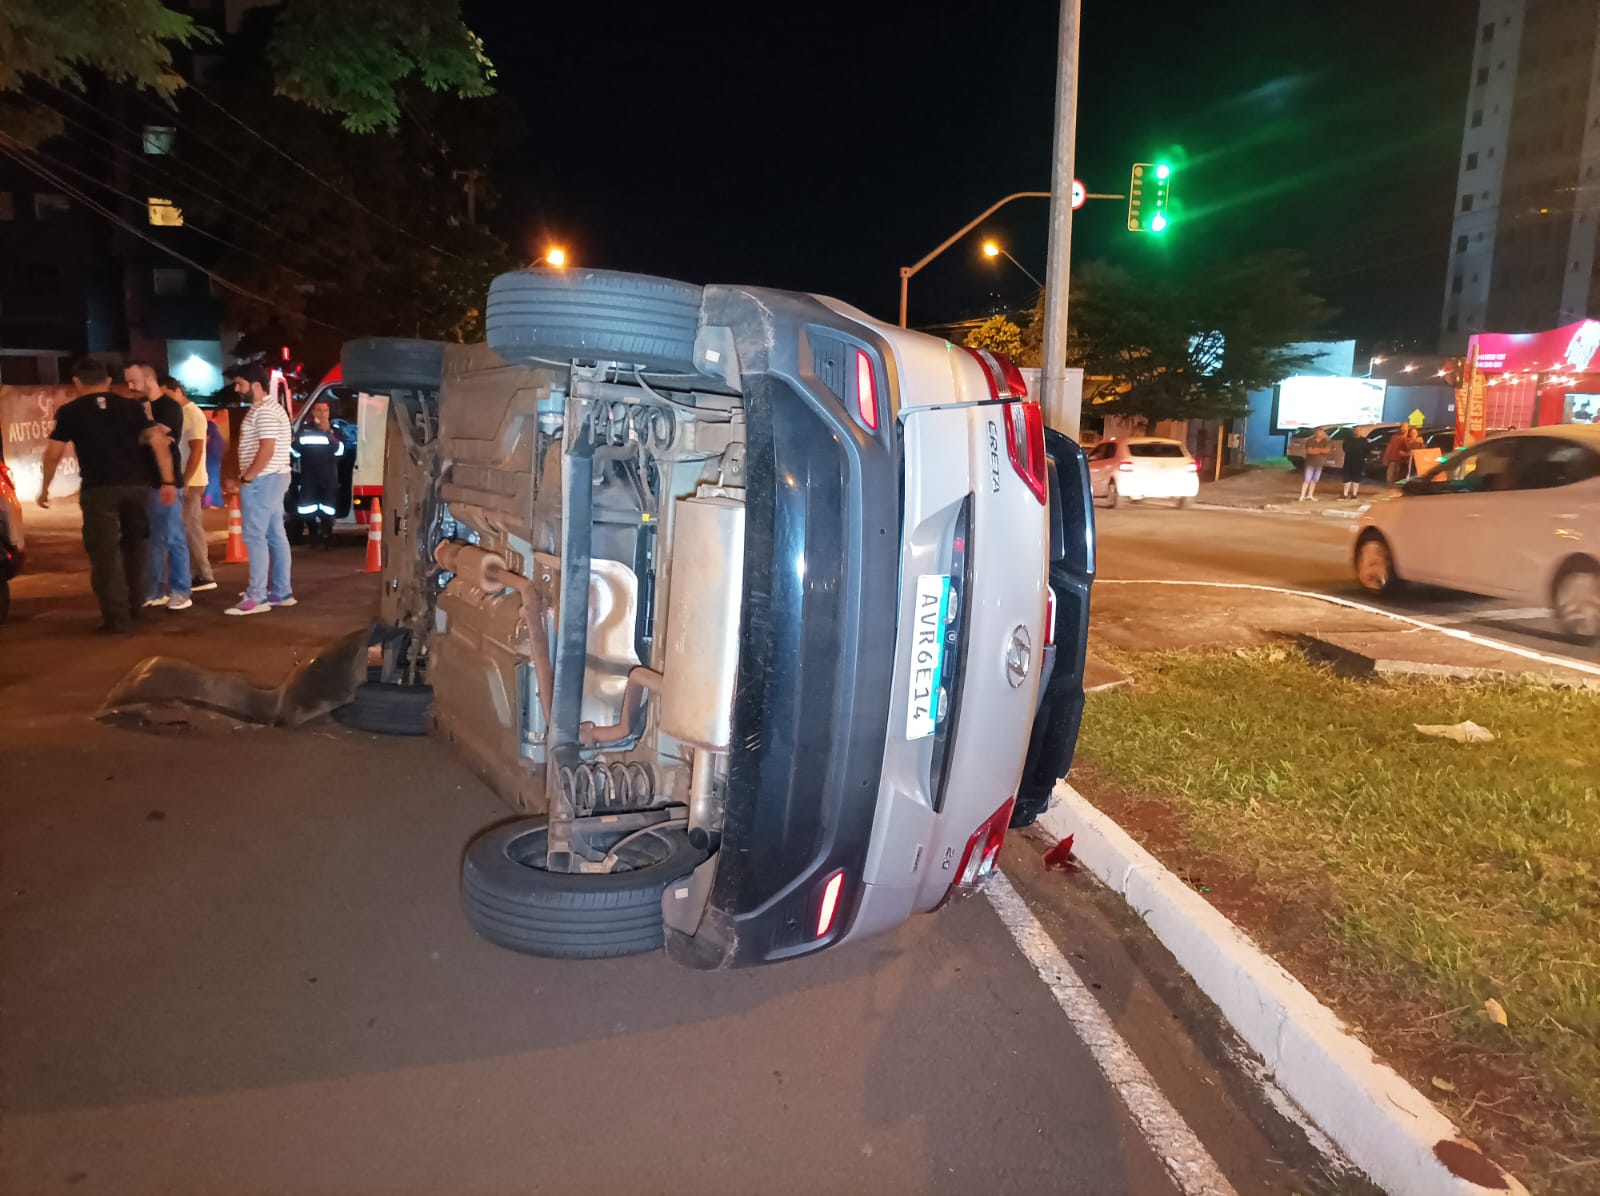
(998, 335)
(352, 57)
(1170, 344)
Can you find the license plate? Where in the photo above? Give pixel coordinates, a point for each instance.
(927, 654)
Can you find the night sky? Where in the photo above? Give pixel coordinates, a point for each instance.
(821, 146)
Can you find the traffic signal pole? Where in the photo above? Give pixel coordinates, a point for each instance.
(1058, 265)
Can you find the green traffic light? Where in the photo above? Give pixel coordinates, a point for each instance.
(1158, 223)
(1163, 171)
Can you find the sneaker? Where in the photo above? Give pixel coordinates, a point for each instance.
(287, 600)
(161, 601)
(246, 606)
(198, 585)
(177, 603)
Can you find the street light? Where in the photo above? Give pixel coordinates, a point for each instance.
(907, 271)
(554, 256)
(994, 249)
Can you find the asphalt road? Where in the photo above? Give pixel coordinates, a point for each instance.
(1156, 540)
(232, 961)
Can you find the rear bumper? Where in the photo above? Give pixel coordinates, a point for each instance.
(816, 644)
(1184, 485)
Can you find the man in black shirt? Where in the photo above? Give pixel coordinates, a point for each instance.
(111, 435)
(169, 580)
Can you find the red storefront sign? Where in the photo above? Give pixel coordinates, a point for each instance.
(1570, 349)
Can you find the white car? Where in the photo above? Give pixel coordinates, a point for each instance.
(1138, 467)
(1515, 517)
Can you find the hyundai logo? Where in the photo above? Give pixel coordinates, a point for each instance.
(1019, 656)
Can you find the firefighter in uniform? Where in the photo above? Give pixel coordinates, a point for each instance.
(316, 452)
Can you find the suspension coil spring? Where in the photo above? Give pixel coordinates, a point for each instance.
(609, 788)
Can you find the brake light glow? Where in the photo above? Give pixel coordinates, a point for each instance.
(1193, 467)
(830, 903)
(1025, 443)
(1124, 466)
(866, 391)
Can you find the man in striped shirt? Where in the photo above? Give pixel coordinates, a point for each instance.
(263, 481)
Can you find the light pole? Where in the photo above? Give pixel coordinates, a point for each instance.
(995, 249)
(1058, 266)
(907, 271)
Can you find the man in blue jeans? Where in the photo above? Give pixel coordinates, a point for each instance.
(263, 481)
(170, 583)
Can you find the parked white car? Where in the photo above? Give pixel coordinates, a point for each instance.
(1139, 467)
(1515, 517)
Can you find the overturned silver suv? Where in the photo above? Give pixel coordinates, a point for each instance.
(768, 618)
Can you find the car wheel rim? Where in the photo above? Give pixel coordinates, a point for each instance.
(1578, 603)
(1373, 568)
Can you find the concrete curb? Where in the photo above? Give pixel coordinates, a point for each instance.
(1281, 509)
(1384, 1125)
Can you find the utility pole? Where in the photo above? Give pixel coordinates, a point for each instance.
(1058, 265)
(469, 183)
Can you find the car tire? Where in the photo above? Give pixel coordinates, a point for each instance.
(383, 363)
(1374, 564)
(1113, 499)
(387, 709)
(594, 315)
(1185, 503)
(1576, 599)
(511, 900)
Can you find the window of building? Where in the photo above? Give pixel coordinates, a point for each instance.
(47, 205)
(168, 280)
(1466, 203)
(1488, 33)
(1477, 118)
(1472, 161)
(163, 213)
(1483, 75)
(1455, 285)
(159, 139)
(8, 206)
(1461, 243)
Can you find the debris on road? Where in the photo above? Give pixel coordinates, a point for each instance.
(1060, 858)
(1495, 1012)
(1463, 732)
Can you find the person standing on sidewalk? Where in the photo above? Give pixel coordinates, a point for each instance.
(1318, 449)
(1357, 450)
(195, 479)
(169, 546)
(112, 436)
(263, 482)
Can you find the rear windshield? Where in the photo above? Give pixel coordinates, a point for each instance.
(1155, 449)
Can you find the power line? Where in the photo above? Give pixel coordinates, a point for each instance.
(151, 171)
(343, 194)
(143, 202)
(12, 149)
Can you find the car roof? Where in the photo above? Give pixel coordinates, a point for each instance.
(1588, 434)
(1149, 440)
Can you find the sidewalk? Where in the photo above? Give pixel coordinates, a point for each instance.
(1273, 488)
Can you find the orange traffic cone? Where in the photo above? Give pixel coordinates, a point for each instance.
(236, 553)
(375, 537)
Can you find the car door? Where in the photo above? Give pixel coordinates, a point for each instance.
(1550, 513)
(1102, 460)
(1442, 518)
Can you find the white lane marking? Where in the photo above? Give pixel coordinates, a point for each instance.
(1175, 1144)
(1515, 614)
(1565, 662)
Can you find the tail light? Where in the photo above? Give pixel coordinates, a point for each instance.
(1124, 466)
(1193, 467)
(1001, 373)
(983, 849)
(830, 903)
(5, 476)
(866, 391)
(1025, 443)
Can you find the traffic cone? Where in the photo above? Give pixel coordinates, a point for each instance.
(375, 537)
(236, 553)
